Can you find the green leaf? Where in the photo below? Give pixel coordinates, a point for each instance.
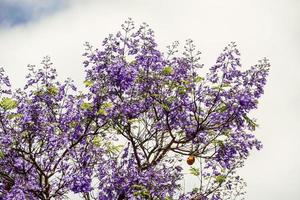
(25, 134)
(52, 90)
(155, 95)
(222, 108)
(195, 190)
(227, 133)
(185, 82)
(216, 87)
(134, 120)
(142, 191)
(104, 107)
(1, 154)
(220, 179)
(218, 142)
(136, 194)
(211, 132)
(115, 148)
(102, 111)
(164, 106)
(168, 70)
(180, 133)
(86, 106)
(198, 79)
(251, 122)
(138, 187)
(97, 141)
(171, 99)
(146, 194)
(181, 89)
(195, 171)
(8, 103)
(15, 115)
(221, 87)
(88, 83)
(107, 105)
(73, 124)
(226, 85)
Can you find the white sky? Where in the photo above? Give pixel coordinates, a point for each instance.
(261, 28)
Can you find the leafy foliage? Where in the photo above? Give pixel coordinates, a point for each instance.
(55, 140)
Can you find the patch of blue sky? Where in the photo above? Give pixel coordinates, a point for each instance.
(13, 13)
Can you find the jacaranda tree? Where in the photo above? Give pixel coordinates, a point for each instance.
(143, 113)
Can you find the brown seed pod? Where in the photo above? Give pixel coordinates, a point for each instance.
(190, 160)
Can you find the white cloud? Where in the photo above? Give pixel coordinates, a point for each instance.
(260, 28)
(17, 12)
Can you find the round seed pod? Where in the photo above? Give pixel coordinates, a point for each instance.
(190, 160)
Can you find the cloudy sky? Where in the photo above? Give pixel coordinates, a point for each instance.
(31, 29)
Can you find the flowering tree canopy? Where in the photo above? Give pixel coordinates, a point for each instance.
(126, 136)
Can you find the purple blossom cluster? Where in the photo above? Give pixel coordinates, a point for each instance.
(55, 140)
(125, 179)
